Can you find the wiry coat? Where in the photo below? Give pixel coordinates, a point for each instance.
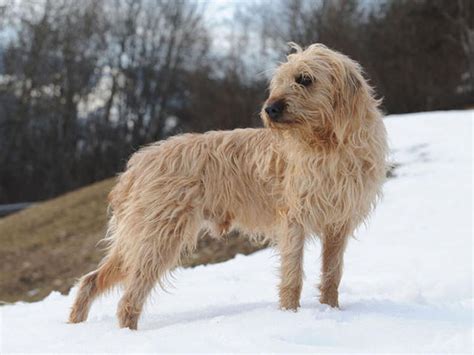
(317, 171)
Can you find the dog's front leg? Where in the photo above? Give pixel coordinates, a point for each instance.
(291, 247)
(333, 247)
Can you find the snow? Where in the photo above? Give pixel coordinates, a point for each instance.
(407, 285)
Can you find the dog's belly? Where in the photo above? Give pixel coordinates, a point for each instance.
(254, 213)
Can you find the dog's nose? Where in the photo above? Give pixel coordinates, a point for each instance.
(275, 109)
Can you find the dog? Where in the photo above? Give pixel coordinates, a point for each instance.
(316, 168)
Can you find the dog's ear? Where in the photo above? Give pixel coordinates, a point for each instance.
(349, 85)
(350, 98)
(353, 80)
(293, 48)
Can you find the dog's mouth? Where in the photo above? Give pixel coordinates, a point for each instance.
(283, 119)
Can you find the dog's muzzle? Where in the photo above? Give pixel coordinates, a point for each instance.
(275, 110)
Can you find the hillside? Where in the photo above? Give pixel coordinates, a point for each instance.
(407, 285)
(48, 246)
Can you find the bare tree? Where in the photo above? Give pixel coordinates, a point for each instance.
(84, 83)
(463, 19)
(153, 43)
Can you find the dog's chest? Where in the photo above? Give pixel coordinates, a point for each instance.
(318, 191)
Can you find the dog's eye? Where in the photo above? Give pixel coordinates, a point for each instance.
(304, 80)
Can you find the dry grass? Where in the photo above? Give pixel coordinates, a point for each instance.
(48, 246)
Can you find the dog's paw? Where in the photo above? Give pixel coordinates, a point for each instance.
(289, 304)
(292, 308)
(130, 322)
(290, 298)
(77, 316)
(330, 300)
(127, 317)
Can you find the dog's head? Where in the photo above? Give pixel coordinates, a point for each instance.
(319, 93)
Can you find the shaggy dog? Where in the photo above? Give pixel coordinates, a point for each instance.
(315, 169)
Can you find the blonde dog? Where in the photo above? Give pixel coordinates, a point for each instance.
(315, 169)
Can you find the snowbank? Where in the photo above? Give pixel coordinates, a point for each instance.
(407, 285)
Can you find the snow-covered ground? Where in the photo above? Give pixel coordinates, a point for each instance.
(407, 285)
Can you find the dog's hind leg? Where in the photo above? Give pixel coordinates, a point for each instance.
(291, 247)
(131, 304)
(333, 247)
(94, 284)
(154, 258)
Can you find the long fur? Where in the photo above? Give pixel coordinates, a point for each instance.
(319, 172)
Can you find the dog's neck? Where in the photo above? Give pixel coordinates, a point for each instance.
(304, 143)
(326, 147)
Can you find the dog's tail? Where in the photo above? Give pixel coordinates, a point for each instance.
(120, 193)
